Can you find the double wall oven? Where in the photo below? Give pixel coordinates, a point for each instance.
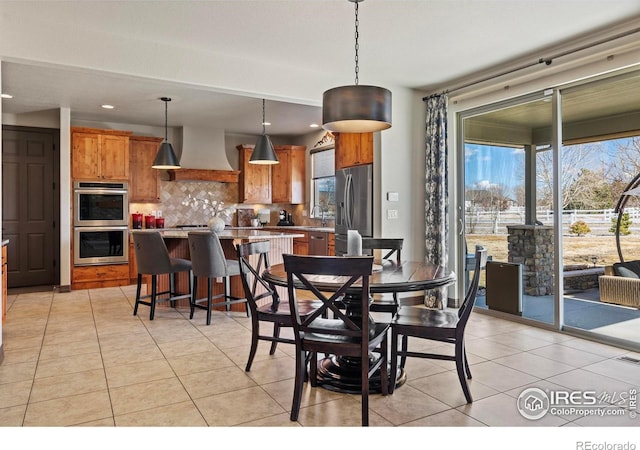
(100, 222)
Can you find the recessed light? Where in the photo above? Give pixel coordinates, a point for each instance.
(314, 125)
(108, 106)
(266, 124)
(6, 95)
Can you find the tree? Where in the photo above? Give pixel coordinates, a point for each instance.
(625, 223)
(580, 228)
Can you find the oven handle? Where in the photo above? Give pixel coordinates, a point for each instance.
(102, 228)
(101, 191)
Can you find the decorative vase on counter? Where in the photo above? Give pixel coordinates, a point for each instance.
(216, 224)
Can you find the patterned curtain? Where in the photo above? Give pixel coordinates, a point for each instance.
(436, 192)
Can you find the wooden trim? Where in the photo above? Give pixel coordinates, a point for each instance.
(222, 176)
(101, 131)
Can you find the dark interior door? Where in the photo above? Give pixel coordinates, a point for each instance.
(30, 206)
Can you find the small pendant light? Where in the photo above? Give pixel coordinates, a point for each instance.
(166, 157)
(356, 108)
(263, 152)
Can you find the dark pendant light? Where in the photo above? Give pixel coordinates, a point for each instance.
(166, 157)
(263, 152)
(356, 108)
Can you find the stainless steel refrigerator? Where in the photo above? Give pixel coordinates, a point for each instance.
(354, 204)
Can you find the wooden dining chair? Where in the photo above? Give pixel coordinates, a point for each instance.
(209, 262)
(152, 258)
(264, 301)
(438, 325)
(336, 333)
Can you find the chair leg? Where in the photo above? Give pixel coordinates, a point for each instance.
(364, 380)
(255, 332)
(172, 288)
(403, 358)
(466, 362)
(192, 303)
(313, 368)
(276, 334)
(384, 371)
(154, 285)
(138, 289)
(394, 361)
(225, 283)
(299, 383)
(459, 355)
(209, 300)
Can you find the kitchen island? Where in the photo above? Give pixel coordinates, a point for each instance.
(178, 247)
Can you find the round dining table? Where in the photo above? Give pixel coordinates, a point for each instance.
(342, 374)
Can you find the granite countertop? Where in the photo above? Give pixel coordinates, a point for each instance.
(290, 227)
(228, 233)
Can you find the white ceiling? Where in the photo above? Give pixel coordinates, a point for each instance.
(423, 44)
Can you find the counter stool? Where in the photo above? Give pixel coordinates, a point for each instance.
(152, 258)
(208, 261)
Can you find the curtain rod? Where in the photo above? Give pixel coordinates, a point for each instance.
(546, 61)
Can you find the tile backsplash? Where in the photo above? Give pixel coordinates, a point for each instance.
(173, 193)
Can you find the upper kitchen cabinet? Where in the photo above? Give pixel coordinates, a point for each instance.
(255, 179)
(144, 182)
(288, 176)
(100, 154)
(353, 149)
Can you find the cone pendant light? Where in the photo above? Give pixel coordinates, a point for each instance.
(356, 108)
(263, 152)
(166, 157)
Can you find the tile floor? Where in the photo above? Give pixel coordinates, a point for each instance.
(83, 359)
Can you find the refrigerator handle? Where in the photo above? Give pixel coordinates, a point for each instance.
(348, 203)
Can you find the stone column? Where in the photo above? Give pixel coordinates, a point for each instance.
(532, 247)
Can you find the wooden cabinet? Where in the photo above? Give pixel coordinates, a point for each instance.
(99, 276)
(4, 283)
(353, 149)
(331, 244)
(144, 182)
(255, 179)
(99, 154)
(288, 176)
(301, 245)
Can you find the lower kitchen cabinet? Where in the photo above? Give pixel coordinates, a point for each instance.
(331, 244)
(301, 245)
(99, 276)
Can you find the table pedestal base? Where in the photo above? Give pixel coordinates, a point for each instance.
(342, 374)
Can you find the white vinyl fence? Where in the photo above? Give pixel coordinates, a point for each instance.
(599, 221)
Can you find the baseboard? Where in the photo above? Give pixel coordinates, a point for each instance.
(65, 288)
(1, 353)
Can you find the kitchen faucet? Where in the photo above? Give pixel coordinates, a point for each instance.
(323, 221)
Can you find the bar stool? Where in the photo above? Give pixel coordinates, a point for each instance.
(152, 258)
(208, 261)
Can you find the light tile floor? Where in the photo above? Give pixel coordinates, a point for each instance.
(82, 359)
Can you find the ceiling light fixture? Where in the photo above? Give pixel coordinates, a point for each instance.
(6, 95)
(107, 106)
(263, 152)
(356, 108)
(166, 157)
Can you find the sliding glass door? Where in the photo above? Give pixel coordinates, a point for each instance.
(550, 183)
(509, 205)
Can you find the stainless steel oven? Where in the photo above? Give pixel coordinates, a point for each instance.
(100, 204)
(100, 245)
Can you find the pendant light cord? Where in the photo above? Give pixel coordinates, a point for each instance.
(357, 46)
(264, 130)
(165, 120)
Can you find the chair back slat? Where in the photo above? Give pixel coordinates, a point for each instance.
(393, 245)
(152, 256)
(472, 291)
(255, 287)
(345, 270)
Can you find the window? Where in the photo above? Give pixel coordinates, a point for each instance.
(323, 180)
